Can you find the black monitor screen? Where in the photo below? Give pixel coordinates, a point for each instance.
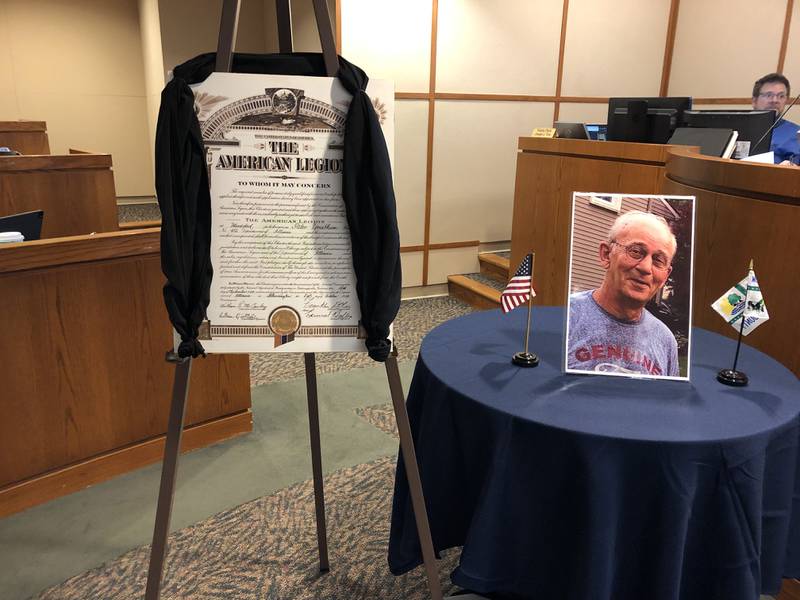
(29, 224)
(751, 125)
(649, 120)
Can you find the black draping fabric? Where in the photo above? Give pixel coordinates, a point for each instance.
(182, 189)
(183, 196)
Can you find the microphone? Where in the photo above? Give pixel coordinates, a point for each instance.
(771, 127)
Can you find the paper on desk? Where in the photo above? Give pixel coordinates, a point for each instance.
(764, 157)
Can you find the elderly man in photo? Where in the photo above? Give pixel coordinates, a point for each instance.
(609, 328)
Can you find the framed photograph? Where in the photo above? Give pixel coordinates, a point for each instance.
(629, 311)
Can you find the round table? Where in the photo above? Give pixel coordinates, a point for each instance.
(595, 487)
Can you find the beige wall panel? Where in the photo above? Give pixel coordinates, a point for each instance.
(791, 66)
(583, 113)
(614, 47)
(389, 40)
(305, 35)
(451, 261)
(191, 27)
(411, 134)
(474, 164)
(794, 114)
(498, 46)
(79, 67)
(723, 46)
(82, 46)
(412, 268)
(120, 130)
(9, 108)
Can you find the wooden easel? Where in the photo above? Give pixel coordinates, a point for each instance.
(229, 23)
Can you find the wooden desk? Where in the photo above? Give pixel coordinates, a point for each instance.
(744, 210)
(75, 191)
(86, 389)
(26, 137)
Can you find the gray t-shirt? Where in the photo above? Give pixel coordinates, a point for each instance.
(601, 342)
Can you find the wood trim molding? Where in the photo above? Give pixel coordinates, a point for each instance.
(583, 99)
(746, 100)
(448, 245)
(53, 162)
(669, 46)
(532, 98)
(139, 225)
(440, 246)
(561, 47)
(429, 152)
(78, 249)
(16, 126)
(37, 490)
(413, 96)
(787, 23)
(495, 97)
(655, 154)
(337, 11)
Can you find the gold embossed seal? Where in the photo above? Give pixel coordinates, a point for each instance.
(284, 322)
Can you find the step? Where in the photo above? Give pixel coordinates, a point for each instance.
(476, 294)
(494, 266)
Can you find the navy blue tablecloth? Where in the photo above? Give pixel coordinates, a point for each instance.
(600, 488)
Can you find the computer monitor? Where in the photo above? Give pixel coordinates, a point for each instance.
(575, 131)
(29, 224)
(751, 125)
(596, 131)
(649, 120)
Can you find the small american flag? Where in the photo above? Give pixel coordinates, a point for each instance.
(519, 289)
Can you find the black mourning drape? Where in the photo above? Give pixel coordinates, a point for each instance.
(182, 189)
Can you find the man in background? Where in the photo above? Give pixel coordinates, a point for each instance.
(609, 328)
(771, 93)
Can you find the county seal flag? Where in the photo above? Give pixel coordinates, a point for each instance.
(743, 300)
(519, 289)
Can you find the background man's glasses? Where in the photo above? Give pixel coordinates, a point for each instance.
(771, 95)
(638, 252)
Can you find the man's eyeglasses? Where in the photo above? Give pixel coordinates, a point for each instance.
(638, 252)
(771, 95)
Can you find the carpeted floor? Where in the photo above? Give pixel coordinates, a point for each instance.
(266, 548)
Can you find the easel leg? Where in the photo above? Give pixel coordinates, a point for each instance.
(414, 481)
(316, 459)
(169, 470)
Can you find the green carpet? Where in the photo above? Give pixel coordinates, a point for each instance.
(49, 543)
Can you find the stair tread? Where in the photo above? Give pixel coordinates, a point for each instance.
(494, 259)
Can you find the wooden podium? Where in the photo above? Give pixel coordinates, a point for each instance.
(743, 210)
(76, 192)
(548, 171)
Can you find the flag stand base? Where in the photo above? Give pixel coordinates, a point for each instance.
(731, 377)
(525, 359)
